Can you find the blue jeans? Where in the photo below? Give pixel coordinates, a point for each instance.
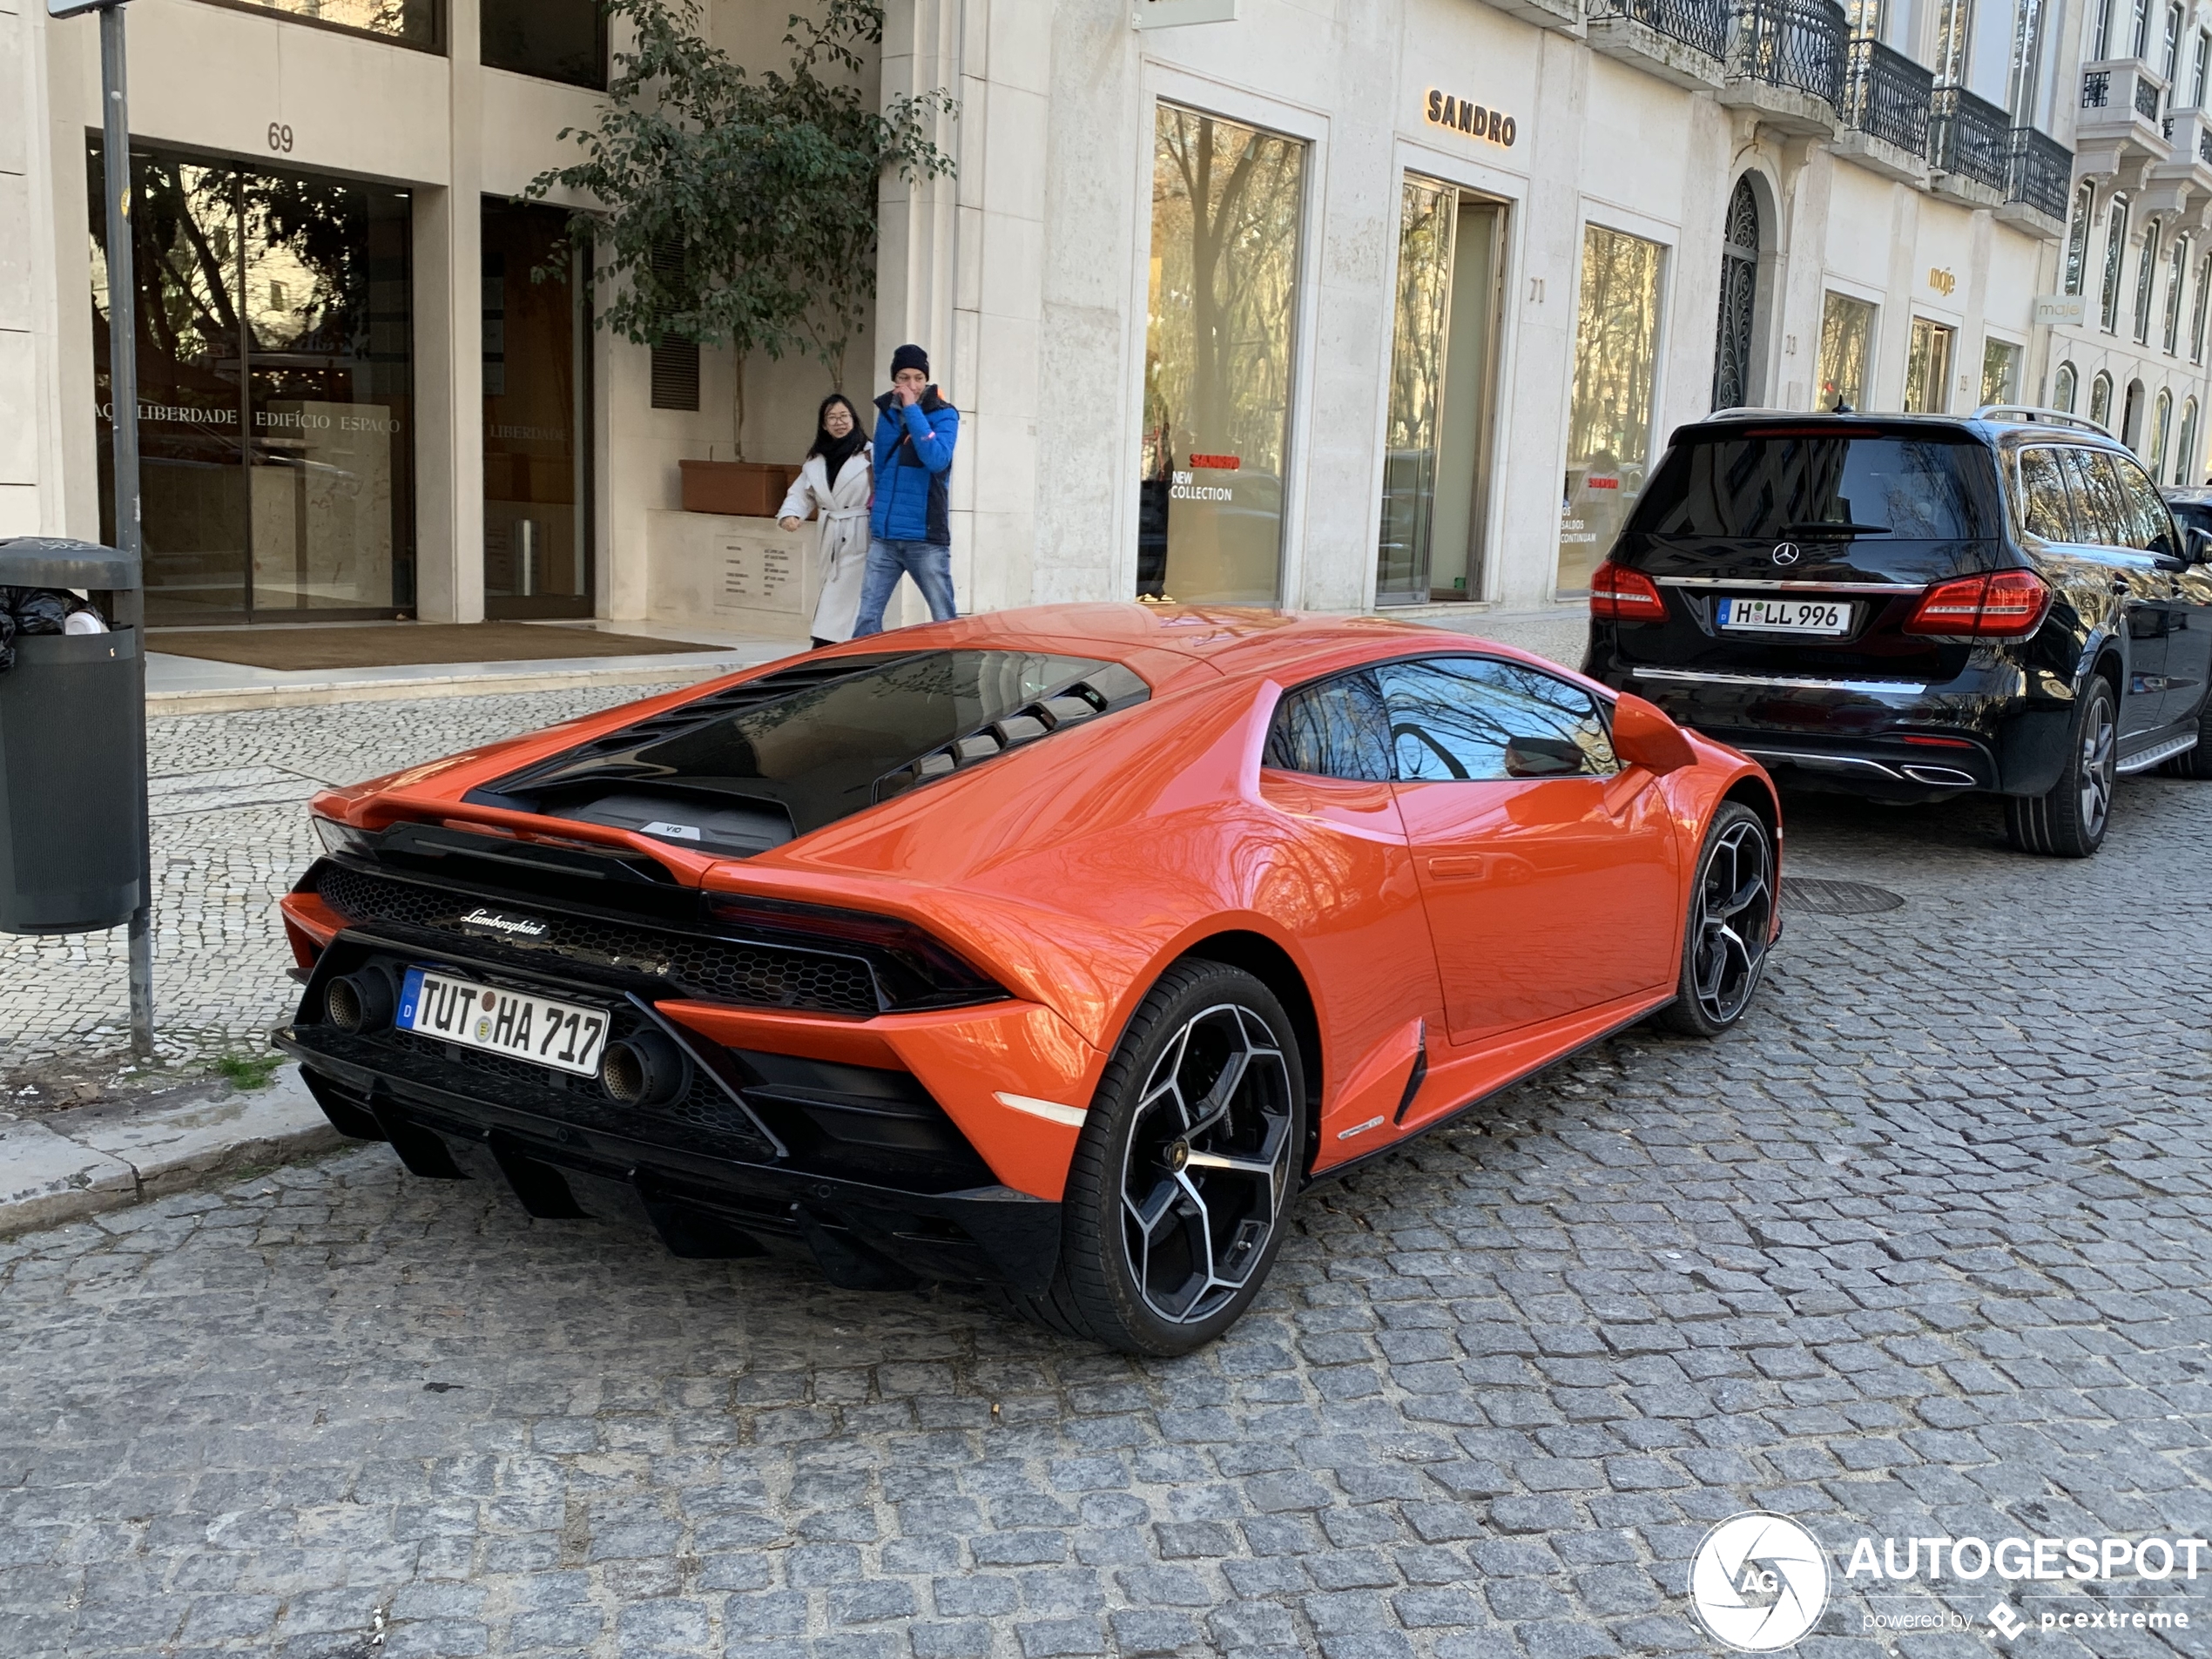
(930, 566)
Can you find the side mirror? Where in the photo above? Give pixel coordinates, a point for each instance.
(1644, 737)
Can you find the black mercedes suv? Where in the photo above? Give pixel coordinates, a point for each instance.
(1909, 606)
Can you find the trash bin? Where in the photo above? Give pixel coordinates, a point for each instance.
(72, 721)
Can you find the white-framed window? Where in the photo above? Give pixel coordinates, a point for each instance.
(2145, 277)
(2196, 321)
(2115, 256)
(2065, 386)
(2177, 280)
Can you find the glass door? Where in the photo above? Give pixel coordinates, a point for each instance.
(275, 407)
(537, 416)
(1927, 368)
(1437, 444)
(191, 396)
(1227, 206)
(1608, 422)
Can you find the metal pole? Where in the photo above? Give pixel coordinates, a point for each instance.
(123, 422)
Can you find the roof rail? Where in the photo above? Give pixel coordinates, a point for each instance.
(2029, 414)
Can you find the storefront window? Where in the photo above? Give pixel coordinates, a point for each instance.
(1226, 208)
(537, 416)
(2101, 400)
(274, 390)
(1927, 367)
(1441, 395)
(1608, 422)
(1846, 341)
(554, 40)
(2185, 451)
(2000, 371)
(2063, 388)
(413, 22)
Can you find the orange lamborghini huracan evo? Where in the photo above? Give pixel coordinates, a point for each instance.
(1055, 949)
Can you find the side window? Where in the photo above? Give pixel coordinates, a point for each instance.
(2043, 505)
(2100, 510)
(2147, 525)
(1336, 729)
(1474, 717)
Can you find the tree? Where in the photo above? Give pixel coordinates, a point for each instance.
(740, 210)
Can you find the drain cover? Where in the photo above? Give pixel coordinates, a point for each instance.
(1836, 898)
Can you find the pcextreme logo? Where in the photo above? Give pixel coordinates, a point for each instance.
(1758, 1581)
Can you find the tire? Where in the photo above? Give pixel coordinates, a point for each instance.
(2197, 762)
(1724, 935)
(1213, 1176)
(2070, 822)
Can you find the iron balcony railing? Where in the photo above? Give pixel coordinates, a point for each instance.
(1699, 25)
(1797, 43)
(2204, 146)
(2040, 169)
(2146, 98)
(2096, 89)
(1886, 96)
(1970, 136)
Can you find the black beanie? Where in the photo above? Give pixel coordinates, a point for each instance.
(909, 357)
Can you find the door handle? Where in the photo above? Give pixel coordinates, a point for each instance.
(2120, 584)
(1448, 868)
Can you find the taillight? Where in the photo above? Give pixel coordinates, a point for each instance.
(2003, 604)
(1619, 594)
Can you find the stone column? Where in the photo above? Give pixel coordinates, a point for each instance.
(961, 267)
(31, 497)
(449, 351)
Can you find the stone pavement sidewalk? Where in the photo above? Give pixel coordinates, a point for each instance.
(78, 1162)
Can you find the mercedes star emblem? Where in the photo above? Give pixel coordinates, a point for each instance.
(1785, 553)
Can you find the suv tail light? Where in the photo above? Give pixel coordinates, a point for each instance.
(1619, 594)
(2003, 604)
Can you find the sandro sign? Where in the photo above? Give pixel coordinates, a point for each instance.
(1466, 116)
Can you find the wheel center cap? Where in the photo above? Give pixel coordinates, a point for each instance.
(1177, 1155)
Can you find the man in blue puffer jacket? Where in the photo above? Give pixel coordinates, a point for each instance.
(910, 521)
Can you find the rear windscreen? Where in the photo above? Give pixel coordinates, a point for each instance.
(1775, 486)
(748, 767)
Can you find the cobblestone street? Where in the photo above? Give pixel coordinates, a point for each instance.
(1921, 1249)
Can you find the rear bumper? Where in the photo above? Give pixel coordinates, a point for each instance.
(694, 1188)
(1995, 727)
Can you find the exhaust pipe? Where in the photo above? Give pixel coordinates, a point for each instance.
(361, 1000)
(644, 1069)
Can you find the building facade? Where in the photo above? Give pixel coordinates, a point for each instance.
(2136, 269)
(1352, 305)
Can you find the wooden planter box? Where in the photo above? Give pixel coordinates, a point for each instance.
(739, 489)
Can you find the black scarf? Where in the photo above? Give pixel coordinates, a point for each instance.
(835, 452)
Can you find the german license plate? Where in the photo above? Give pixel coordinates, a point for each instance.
(1785, 616)
(535, 1028)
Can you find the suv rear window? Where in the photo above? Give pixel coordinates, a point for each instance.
(1773, 485)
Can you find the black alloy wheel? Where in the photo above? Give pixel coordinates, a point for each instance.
(1731, 915)
(2070, 822)
(1175, 1198)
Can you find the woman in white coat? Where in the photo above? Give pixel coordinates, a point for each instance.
(836, 481)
